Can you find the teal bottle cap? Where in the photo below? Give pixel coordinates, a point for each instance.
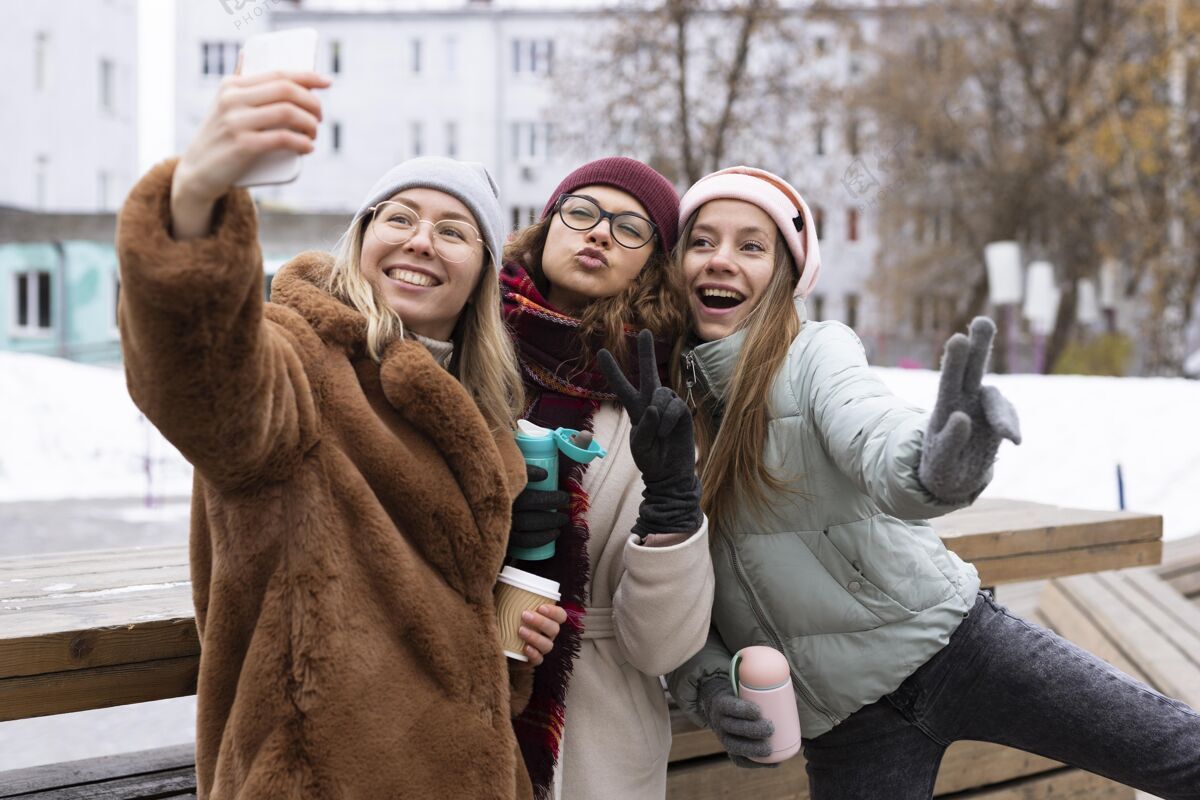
(562, 438)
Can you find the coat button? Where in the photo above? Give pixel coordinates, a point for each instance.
(854, 586)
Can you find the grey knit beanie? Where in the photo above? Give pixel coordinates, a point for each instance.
(468, 181)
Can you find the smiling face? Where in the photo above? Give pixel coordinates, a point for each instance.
(426, 290)
(582, 266)
(727, 263)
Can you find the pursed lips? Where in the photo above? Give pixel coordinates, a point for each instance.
(591, 258)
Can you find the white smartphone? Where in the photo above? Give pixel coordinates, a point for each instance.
(292, 50)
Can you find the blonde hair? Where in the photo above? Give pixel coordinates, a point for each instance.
(731, 464)
(483, 360)
(654, 299)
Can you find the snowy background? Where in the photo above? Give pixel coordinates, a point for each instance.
(71, 431)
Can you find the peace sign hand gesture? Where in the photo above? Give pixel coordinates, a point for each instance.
(969, 420)
(661, 443)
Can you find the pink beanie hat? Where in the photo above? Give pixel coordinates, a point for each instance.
(773, 195)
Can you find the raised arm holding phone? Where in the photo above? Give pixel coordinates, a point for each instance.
(354, 461)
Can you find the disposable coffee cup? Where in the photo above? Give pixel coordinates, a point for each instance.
(518, 591)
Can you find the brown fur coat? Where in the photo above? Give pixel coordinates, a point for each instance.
(349, 519)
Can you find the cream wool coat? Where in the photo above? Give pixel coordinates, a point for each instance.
(648, 612)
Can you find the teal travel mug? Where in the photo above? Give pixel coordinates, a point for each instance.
(540, 447)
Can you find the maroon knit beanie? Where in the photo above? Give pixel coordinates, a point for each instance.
(650, 189)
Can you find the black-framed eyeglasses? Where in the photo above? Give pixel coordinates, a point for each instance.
(630, 230)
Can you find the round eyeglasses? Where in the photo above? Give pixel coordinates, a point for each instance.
(629, 230)
(395, 223)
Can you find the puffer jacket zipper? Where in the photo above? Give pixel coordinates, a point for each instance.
(805, 692)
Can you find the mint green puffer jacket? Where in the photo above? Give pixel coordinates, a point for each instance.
(843, 576)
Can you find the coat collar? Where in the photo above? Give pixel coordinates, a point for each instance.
(300, 285)
(711, 364)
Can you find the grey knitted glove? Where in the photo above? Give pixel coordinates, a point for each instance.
(737, 723)
(662, 445)
(969, 420)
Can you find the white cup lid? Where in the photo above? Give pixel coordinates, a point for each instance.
(530, 429)
(530, 582)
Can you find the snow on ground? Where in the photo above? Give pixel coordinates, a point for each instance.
(70, 431)
(1076, 429)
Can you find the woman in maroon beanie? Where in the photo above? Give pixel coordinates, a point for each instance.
(633, 559)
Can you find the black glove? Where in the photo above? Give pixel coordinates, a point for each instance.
(969, 420)
(737, 723)
(536, 517)
(662, 445)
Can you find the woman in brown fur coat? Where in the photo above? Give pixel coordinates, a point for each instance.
(352, 503)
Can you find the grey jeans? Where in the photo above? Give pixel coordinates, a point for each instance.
(1004, 680)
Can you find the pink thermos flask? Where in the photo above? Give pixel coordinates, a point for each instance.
(761, 675)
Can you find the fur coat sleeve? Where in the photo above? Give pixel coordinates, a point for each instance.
(230, 392)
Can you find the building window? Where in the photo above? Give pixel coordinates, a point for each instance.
(116, 303)
(108, 83)
(451, 56)
(40, 181)
(218, 58)
(852, 137)
(41, 61)
(523, 216)
(415, 56)
(33, 296)
(452, 139)
(819, 221)
(103, 189)
(918, 317)
(821, 45)
(417, 137)
(852, 309)
(819, 138)
(818, 313)
(335, 57)
(852, 225)
(336, 138)
(531, 142)
(532, 56)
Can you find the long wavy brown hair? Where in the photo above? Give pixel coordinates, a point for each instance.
(653, 300)
(732, 469)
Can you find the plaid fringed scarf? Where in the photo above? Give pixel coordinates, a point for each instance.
(562, 392)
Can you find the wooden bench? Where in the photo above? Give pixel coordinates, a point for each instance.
(699, 771)
(1136, 619)
(1181, 567)
(82, 631)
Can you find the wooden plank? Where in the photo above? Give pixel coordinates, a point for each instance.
(48, 777)
(101, 687)
(994, 528)
(148, 604)
(970, 764)
(96, 647)
(968, 771)
(1128, 624)
(1051, 564)
(689, 741)
(967, 764)
(67, 586)
(179, 783)
(1072, 617)
(84, 562)
(716, 777)
(1066, 784)
(1168, 644)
